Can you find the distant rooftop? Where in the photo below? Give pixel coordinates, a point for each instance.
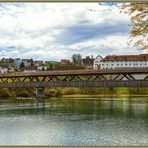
(141, 57)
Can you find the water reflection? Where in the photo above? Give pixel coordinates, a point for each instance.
(97, 108)
(103, 121)
(40, 105)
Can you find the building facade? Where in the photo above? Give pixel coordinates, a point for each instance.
(124, 61)
(65, 61)
(17, 62)
(42, 67)
(30, 69)
(3, 69)
(88, 62)
(27, 62)
(37, 63)
(97, 63)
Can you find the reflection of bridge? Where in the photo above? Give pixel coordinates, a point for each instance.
(133, 77)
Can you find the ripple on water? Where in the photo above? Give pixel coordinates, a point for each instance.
(85, 125)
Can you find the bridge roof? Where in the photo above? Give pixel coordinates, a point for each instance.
(76, 72)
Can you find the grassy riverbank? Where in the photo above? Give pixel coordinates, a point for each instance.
(109, 95)
(74, 92)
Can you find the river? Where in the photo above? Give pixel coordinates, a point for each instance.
(106, 121)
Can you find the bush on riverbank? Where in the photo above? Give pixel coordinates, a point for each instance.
(58, 92)
(53, 92)
(17, 92)
(96, 91)
(138, 90)
(103, 91)
(4, 93)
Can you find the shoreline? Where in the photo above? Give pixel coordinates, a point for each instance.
(75, 92)
(106, 95)
(79, 96)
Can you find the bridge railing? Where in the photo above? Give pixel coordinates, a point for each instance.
(100, 83)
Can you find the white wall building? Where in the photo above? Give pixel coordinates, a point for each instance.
(42, 68)
(124, 61)
(97, 62)
(3, 69)
(27, 62)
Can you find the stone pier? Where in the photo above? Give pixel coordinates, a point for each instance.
(40, 92)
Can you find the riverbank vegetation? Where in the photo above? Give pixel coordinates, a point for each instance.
(67, 91)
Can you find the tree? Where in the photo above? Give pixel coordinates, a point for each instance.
(51, 66)
(31, 60)
(138, 13)
(76, 59)
(22, 65)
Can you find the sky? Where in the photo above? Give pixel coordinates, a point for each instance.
(54, 31)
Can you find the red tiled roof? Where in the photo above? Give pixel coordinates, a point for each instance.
(141, 57)
(35, 62)
(26, 60)
(65, 61)
(30, 68)
(4, 66)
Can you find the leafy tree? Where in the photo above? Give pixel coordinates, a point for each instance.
(31, 60)
(22, 65)
(138, 13)
(73, 58)
(76, 59)
(51, 66)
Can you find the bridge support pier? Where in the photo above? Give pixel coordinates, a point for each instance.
(40, 92)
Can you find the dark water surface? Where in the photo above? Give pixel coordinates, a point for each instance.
(74, 122)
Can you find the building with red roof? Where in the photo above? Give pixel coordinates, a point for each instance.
(124, 61)
(88, 62)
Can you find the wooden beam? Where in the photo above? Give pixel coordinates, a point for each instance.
(72, 77)
(79, 77)
(103, 77)
(65, 79)
(131, 76)
(116, 76)
(50, 78)
(97, 77)
(122, 77)
(89, 77)
(146, 77)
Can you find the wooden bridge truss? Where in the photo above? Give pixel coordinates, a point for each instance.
(76, 77)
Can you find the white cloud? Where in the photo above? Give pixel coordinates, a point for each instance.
(34, 29)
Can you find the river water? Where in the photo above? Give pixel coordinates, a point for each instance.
(75, 122)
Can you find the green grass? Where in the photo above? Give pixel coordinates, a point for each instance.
(7, 63)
